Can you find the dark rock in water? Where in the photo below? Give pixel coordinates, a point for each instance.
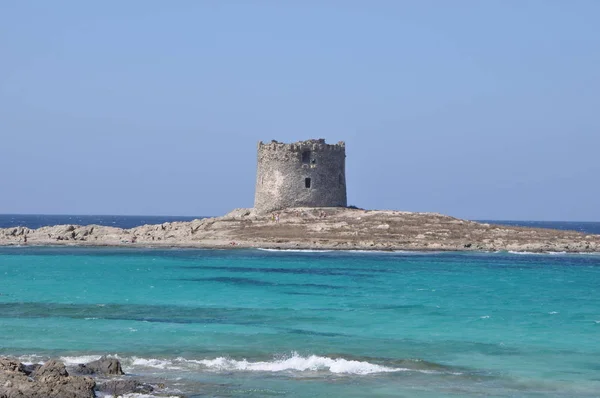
(103, 366)
(29, 369)
(83, 370)
(121, 387)
(50, 380)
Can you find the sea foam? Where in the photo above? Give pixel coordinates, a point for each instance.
(295, 250)
(156, 363)
(539, 253)
(292, 363)
(138, 395)
(76, 360)
(353, 251)
(299, 363)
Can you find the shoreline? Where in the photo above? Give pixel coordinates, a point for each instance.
(294, 249)
(339, 229)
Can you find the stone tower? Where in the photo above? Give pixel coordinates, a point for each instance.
(303, 174)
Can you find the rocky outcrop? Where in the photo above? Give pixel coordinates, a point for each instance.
(104, 366)
(10, 366)
(317, 228)
(50, 380)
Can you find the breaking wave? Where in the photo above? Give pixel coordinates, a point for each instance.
(297, 362)
(539, 253)
(137, 395)
(353, 251)
(296, 250)
(291, 363)
(70, 361)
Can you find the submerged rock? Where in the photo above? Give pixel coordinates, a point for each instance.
(29, 369)
(121, 387)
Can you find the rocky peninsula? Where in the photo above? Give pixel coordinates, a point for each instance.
(324, 228)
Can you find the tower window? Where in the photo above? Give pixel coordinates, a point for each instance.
(306, 157)
(307, 183)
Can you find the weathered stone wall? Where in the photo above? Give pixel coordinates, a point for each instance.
(283, 170)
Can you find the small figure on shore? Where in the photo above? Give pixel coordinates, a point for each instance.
(24, 239)
(277, 218)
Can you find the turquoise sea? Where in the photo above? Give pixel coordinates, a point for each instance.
(255, 323)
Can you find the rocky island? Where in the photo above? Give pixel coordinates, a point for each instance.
(316, 228)
(301, 203)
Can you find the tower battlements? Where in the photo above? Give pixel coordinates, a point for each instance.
(315, 145)
(307, 173)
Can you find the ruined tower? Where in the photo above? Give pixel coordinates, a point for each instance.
(303, 174)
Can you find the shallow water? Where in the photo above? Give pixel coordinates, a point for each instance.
(263, 323)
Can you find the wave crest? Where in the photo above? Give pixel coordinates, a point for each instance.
(295, 250)
(292, 363)
(299, 363)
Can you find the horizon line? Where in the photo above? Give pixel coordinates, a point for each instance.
(206, 216)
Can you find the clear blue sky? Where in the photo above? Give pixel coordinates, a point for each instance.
(477, 109)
